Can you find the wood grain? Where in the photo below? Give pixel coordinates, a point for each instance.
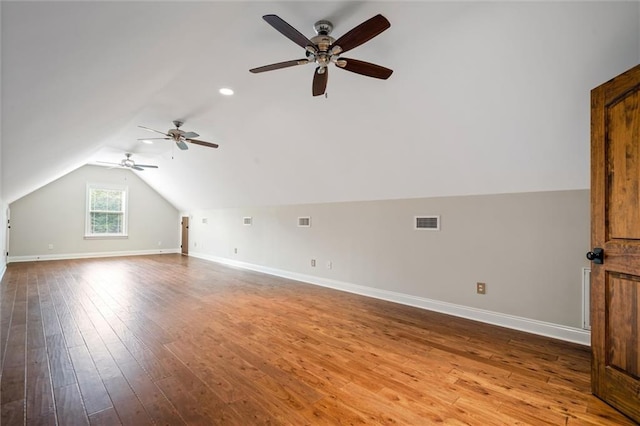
(173, 340)
(615, 227)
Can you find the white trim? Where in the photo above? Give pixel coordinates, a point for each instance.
(63, 256)
(125, 210)
(106, 237)
(3, 268)
(556, 331)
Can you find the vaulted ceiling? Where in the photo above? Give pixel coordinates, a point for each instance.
(486, 97)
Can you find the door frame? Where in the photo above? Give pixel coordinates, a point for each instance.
(184, 235)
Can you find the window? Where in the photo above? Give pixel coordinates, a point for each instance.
(106, 211)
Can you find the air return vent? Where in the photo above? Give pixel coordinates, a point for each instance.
(586, 291)
(427, 223)
(304, 222)
(247, 221)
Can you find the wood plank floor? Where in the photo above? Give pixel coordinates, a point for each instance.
(175, 340)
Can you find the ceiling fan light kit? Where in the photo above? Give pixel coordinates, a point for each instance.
(324, 49)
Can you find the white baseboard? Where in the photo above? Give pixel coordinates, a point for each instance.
(556, 331)
(65, 256)
(3, 268)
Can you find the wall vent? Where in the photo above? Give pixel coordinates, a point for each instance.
(247, 221)
(428, 223)
(304, 222)
(586, 298)
(205, 220)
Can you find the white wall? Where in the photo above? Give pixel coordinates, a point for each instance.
(528, 248)
(55, 214)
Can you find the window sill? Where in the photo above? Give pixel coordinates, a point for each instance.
(106, 237)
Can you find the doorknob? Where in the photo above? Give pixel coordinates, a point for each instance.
(596, 256)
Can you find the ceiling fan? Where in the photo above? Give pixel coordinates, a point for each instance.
(179, 136)
(130, 164)
(323, 49)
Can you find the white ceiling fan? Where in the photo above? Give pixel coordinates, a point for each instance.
(128, 163)
(179, 136)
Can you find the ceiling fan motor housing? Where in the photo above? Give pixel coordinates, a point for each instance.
(323, 27)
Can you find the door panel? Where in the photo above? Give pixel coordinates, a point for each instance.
(622, 328)
(615, 226)
(623, 168)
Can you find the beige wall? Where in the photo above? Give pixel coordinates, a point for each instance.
(55, 214)
(528, 248)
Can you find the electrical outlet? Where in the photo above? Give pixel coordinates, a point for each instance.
(235, 250)
(50, 246)
(313, 263)
(329, 264)
(481, 288)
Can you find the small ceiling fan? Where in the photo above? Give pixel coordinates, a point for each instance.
(179, 136)
(323, 49)
(130, 164)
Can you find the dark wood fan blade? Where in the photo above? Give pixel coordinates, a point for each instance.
(147, 166)
(365, 68)
(288, 31)
(362, 33)
(153, 130)
(183, 146)
(203, 143)
(279, 65)
(320, 82)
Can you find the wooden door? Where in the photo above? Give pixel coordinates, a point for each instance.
(615, 228)
(184, 245)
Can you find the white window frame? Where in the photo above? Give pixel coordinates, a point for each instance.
(88, 234)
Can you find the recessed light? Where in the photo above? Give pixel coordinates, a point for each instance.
(226, 91)
(147, 141)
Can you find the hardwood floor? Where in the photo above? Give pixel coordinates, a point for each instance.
(175, 340)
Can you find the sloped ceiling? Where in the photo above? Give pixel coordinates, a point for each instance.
(485, 97)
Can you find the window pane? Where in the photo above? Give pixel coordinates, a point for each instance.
(106, 223)
(107, 200)
(114, 201)
(98, 200)
(114, 223)
(98, 223)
